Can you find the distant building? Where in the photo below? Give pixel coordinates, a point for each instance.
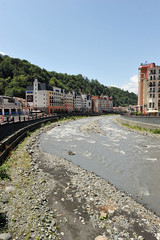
(68, 101)
(10, 106)
(117, 109)
(77, 101)
(37, 96)
(86, 103)
(24, 104)
(50, 99)
(102, 104)
(96, 104)
(149, 88)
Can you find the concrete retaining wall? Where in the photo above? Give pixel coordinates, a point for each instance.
(9, 143)
(124, 120)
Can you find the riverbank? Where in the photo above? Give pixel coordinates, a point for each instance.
(49, 197)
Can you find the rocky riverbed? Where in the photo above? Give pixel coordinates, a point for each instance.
(49, 197)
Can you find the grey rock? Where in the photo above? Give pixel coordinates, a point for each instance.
(9, 189)
(5, 236)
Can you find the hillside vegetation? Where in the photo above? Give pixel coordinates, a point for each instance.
(16, 75)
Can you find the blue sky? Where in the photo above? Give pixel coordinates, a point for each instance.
(100, 39)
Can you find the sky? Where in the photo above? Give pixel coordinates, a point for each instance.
(105, 40)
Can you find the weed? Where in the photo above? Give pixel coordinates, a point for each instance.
(28, 134)
(102, 218)
(4, 171)
(155, 131)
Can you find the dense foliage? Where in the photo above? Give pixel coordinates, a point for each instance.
(16, 75)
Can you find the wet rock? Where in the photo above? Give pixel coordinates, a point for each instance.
(71, 153)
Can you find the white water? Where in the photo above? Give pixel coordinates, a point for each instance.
(128, 160)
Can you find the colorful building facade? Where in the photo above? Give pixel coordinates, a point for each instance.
(149, 88)
(50, 99)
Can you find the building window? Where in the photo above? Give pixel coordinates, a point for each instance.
(150, 95)
(150, 105)
(153, 95)
(153, 104)
(150, 77)
(154, 71)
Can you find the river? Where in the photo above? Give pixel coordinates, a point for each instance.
(128, 160)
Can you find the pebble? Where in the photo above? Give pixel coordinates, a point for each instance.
(101, 238)
(5, 236)
(93, 201)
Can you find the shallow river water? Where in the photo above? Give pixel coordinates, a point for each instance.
(128, 160)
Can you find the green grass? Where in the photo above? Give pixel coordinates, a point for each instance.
(155, 131)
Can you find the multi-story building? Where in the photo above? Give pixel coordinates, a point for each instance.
(149, 88)
(102, 104)
(110, 104)
(77, 101)
(96, 104)
(41, 96)
(37, 96)
(10, 106)
(44, 98)
(86, 103)
(58, 103)
(68, 101)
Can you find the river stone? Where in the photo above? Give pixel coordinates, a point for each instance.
(9, 189)
(101, 238)
(5, 236)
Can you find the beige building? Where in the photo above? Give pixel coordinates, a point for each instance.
(149, 88)
(68, 101)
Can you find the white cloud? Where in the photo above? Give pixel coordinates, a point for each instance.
(132, 85)
(2, 53)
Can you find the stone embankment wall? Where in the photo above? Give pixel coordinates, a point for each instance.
(150, 123)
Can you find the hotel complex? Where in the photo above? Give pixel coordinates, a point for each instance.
(50, 99)
(149, 88)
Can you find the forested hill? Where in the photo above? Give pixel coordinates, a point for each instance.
(16, 75)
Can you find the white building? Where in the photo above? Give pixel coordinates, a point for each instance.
(86, 103)
(38, 96)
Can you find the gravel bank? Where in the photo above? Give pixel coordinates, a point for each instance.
(51, 198)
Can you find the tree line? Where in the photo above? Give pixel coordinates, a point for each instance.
(17, 74)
